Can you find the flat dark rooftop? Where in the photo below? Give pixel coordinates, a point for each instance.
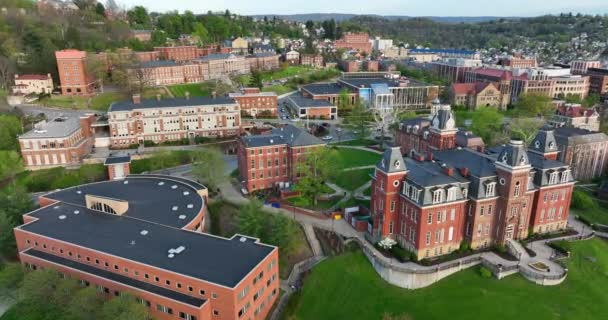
(116, 160)
(392, 83)
(325, 88)
(174, 295)
(303, 102)
(128, 105)
(148, 199)
(215, 259)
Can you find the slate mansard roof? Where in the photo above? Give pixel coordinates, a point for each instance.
(288, 134)
(149, 229)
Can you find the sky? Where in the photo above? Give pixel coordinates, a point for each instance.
(381, 7)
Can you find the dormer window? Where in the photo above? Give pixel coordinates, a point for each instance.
(397, 164)
(438, 196)
(452, 193)
(425, 135)
(537, 144)
(406, 189)
(553, 177)
(490, 189)
(565, 176)
(415, 194)
(465, 191)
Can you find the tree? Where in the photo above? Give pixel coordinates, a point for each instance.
(85, 304)
(252, 219)
(201, 33)
(10, 127)
(209, 167)
(315, 168)
(11, 277)
(39, 286)
(123, 307)
(487, 123)
(256, 79)
(359, 121)
(14, 202)
(65, 289)
(100, 9)
(283, 234)
(138, 16)
(384, 118)
(7, 71)
(534, 105)
(99, 69)
(10, 164)
(525, 129)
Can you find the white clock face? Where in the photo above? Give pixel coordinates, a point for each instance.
(502, 181)
(397, 164)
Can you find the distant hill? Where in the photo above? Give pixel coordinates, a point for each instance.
(345, 16)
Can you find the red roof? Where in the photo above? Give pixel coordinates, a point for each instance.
(462, 88)
(32, 77)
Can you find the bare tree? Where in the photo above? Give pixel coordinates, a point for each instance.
(385, 114)
(7, 72)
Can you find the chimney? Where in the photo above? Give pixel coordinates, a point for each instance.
(158, 96)
(419, 157)
(137, 98)
(464, 171)
(187, 93)
(214, 94)
(429, 156)
(447, 170)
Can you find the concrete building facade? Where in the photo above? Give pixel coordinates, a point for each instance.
(26, 84)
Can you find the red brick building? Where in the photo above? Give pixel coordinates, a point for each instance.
(447, 195)
(74, 78)
(598, 81)
(330, 92)
(270, 160)
(253, 102)
(142, 235)
(355, 41)
(306, 108)
(178, 53)
(311, 60)
(61, 141)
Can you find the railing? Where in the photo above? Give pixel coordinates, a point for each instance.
(534, 275)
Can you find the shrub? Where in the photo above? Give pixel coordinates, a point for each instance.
(581, 200)
(485, 272)
(149, 143)
(135, 145)
(401, 254)
(464, 246)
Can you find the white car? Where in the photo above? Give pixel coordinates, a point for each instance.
(327, 138)
(295, 119)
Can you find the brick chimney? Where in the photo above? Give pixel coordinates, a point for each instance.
(447, 170)
(464, 171)
(137, 98)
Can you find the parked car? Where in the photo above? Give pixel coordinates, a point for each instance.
(327, 138)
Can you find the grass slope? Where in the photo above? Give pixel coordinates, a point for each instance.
(350, 158)
(347, 287)
(353, 179)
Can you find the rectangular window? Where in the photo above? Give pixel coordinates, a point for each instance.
(430, 218)
(428, 238)
(393, 206)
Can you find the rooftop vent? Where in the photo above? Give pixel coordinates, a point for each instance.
(174, 208)
(39, 131)
(79, 192)
(62, 217)
(174, 186)
(190, 206)
(180, 249)
(132, 242)
(243, 239)
(182, 216)
(143, 232)
(186, 193)
(161, 183)
(76, 211)
(56, 207)
(170, 255)
(126, 182)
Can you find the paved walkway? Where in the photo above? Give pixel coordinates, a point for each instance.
(360, 148)
(359, 168)
(358, 194)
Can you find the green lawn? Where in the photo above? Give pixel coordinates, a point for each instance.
(346, 287)
(368, 191)
(321, 205)
(593, 215)
(195, 89)
(100, 102)
(286, 73)
(356, 142)
(278, 89)
(352, 202)
(352, 179)
(349, 158)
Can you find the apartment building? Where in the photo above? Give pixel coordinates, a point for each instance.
(264, 61)
(159, 120)
(580, 67)
(453, 69)
(157, 251)
(311, 60)
(518, 61)
(74, 78)
(354, 41)
(254, 102)
(26, 84)
(270, 160)
(598, 81)
(61, 141)
(583, 150)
